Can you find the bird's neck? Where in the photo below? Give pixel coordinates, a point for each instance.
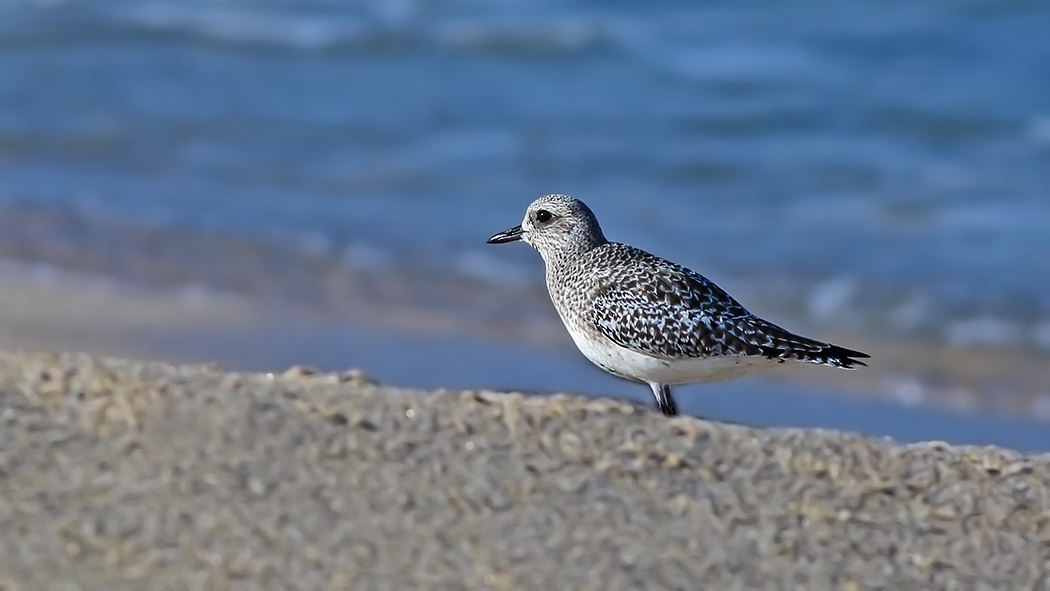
(560, 260)
(582, 238)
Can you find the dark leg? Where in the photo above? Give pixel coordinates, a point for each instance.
(664, 402)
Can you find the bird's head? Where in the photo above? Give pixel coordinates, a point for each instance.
(556, 225)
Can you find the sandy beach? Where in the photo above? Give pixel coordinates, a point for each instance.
(252, 335)
(128, 475)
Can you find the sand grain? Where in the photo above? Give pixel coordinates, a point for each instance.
(126, 475)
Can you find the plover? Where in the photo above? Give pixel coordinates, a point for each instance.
(646, 319)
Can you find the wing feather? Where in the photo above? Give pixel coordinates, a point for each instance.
(666, 310)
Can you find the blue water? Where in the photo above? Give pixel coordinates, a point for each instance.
(869, 168)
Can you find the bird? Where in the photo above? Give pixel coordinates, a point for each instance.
(647, 319)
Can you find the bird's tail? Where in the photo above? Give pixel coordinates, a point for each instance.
(787, 345)
(837, 356)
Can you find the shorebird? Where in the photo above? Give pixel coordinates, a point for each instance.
(646, 319)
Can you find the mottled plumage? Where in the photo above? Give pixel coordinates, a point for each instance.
(647, 319)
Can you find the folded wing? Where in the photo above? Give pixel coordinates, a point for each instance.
(671, 312)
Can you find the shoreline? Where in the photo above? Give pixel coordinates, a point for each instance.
(483, 298)
(255, 286)
(124, 474)
(103, 317)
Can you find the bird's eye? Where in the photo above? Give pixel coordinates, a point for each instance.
(543, 216)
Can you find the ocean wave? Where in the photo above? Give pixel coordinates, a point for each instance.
(38, 242)
(561, 35)
(389, 27)
(238, 26)
(736, 62)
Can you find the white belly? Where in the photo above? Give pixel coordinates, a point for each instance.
(645, 368)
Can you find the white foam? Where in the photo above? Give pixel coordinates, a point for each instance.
(830, 298)
(986, 331)
(1041, 406)
(910, 314)
(909, 392)
(249, 26)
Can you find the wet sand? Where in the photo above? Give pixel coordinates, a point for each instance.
(40, 309)
(128, 475)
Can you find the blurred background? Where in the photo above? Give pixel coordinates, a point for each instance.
(266, 183)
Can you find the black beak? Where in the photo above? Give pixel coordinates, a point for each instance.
(508, 236)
